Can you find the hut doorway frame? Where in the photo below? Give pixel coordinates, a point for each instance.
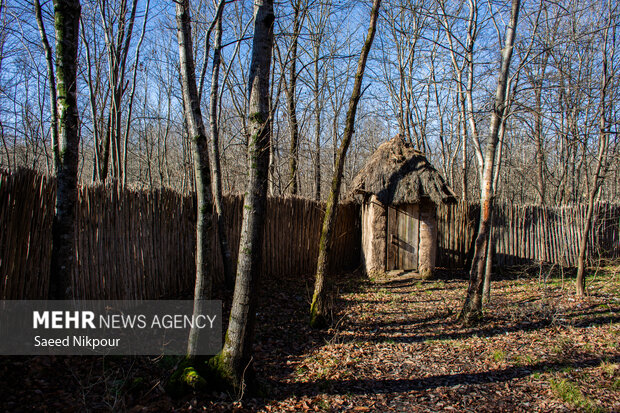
(402, 237)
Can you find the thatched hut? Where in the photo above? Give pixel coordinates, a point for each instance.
(400, 191)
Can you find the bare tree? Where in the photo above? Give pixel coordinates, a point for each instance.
(215, 148)
(108, 96)
(472, 307)
(319, 309)
(67, 16)
(607, 75)
(291, 97)
(464, 65)
(234, 363)
(512, 85)
(405, 21)
(318, 25)
(49, 60)
(196, 128)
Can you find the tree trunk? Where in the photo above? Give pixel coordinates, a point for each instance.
(234, 363)
(319, 309)
(196, 129)
(540, 154)
(583, 248)
(52, 83)
(463, 130)
(537, 83)
(215, 154)
(597, 181)
(460, 93)
(117, 45)
(472, 34)
(291, 103)
(317, 132)
(472, 307)
(133, 93)
(488, 269)
(67, 18)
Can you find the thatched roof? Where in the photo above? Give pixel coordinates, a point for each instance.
(399, 174)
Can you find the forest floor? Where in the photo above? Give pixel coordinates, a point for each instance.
(395, 346)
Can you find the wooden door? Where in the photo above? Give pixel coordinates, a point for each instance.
(403, 237)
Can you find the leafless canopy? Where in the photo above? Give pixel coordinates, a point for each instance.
(397, 173)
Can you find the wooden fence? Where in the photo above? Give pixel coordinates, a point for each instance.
(525, 234)
(140, 244)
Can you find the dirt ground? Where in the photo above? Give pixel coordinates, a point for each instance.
(395, 346)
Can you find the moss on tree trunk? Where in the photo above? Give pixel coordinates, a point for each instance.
(233, 366)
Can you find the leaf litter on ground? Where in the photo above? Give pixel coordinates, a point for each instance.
(395, 345)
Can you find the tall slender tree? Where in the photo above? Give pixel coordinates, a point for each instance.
(459, 68)
(49, 60)
(196, 128)
(234, 363)
(291, 101)
(472, 307)
(608, 51)
(215, 148)
(318, 30)
(117, 21)
(67, 23)
(319, 309)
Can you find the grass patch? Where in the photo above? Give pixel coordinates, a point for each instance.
(564, 347)
(609, 368)
(526, 360)
(570, 393)
(383, 293)
(437, 340)
(301, 370)
(439, 285)
(322, 404)
(327, 367)
(499, 355)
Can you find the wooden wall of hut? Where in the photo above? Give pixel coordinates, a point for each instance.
(374, 226)
(427, 252)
